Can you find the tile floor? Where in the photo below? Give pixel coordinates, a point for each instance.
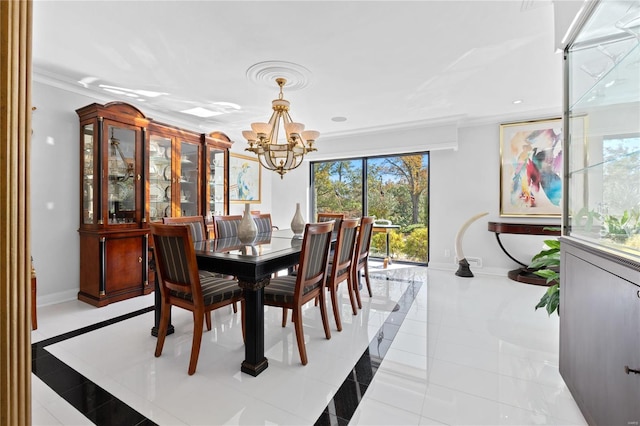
(429, 348)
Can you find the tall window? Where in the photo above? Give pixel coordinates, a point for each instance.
(393, 189)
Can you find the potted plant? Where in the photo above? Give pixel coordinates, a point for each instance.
(547, 265)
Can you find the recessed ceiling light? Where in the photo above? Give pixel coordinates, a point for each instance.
(517, 101)
(226, 105)
(339, 119)
(129, 92)
(201, 112)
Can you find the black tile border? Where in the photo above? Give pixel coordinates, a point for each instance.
(104, 409)
(94, 402)
(344, 403)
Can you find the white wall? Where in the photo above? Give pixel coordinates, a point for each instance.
(55, 204)
(463, 182)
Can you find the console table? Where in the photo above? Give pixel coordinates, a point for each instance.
(523, 274)
(386, 228)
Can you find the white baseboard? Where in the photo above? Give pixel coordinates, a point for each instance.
(52, 299)
(482, 271)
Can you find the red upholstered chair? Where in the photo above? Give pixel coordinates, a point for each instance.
(340, 267)
(361, 256)
(182, 285)
(293, 291)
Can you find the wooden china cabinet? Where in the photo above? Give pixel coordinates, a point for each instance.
(133, 171)
(215, 184)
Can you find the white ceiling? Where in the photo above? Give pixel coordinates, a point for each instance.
(380, 64)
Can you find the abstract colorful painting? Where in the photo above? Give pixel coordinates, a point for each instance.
(531, 168)
(244, 179)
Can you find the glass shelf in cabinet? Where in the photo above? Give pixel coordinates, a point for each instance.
(612, 82)
(605, 162)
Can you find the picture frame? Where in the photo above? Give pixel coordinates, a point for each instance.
(531, 168)
(245, 179)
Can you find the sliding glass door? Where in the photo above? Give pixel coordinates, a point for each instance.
(393, 189)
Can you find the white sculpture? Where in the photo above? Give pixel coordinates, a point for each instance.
(463, 265)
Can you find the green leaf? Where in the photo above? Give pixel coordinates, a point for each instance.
(553, 302)
(554, 252)
(543, 301)
(625, 217)
(554, 244)
(547, 273)
(545, 263)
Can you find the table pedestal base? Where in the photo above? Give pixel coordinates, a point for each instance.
(252, 369)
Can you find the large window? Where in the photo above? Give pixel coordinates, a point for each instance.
(393, 189)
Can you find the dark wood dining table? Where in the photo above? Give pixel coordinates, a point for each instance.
(252, 264)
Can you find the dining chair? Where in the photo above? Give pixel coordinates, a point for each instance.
(361, 257)
(263, 222)
(325, 217)
(182, 285)
(340, 267)
(199, 233)
(292, 292)
(226, 226)
(195, 223)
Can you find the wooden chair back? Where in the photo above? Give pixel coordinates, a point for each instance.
(226, 226)
(326, 217)
(263, 222)
(195, 223)
(361, 256)
(341, 266)
(363, 242)
(314, 260)
(176, 263)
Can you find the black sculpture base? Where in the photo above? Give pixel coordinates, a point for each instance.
(463, 269)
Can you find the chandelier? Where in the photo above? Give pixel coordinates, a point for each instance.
(263, 138)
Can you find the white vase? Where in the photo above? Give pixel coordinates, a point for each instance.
(297, 223)
(247, 229)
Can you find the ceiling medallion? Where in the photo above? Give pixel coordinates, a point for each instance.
(264, 73)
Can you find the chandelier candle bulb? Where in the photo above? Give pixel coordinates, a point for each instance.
(263, 138)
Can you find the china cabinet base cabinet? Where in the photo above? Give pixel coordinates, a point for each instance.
(600, 333)
(134, 171)
(114, 266)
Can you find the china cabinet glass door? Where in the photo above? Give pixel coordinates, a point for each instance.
(121, 174)
(215, 181)
(189, 179)
(88, 216)
(160, 178)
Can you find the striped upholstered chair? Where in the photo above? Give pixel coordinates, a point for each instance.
(326, 217)
(340, 267)
(292, 292)
(198, 233)
(182, 285)
(195, 224)
(361, 257)
(263, 222)
(226, 226)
